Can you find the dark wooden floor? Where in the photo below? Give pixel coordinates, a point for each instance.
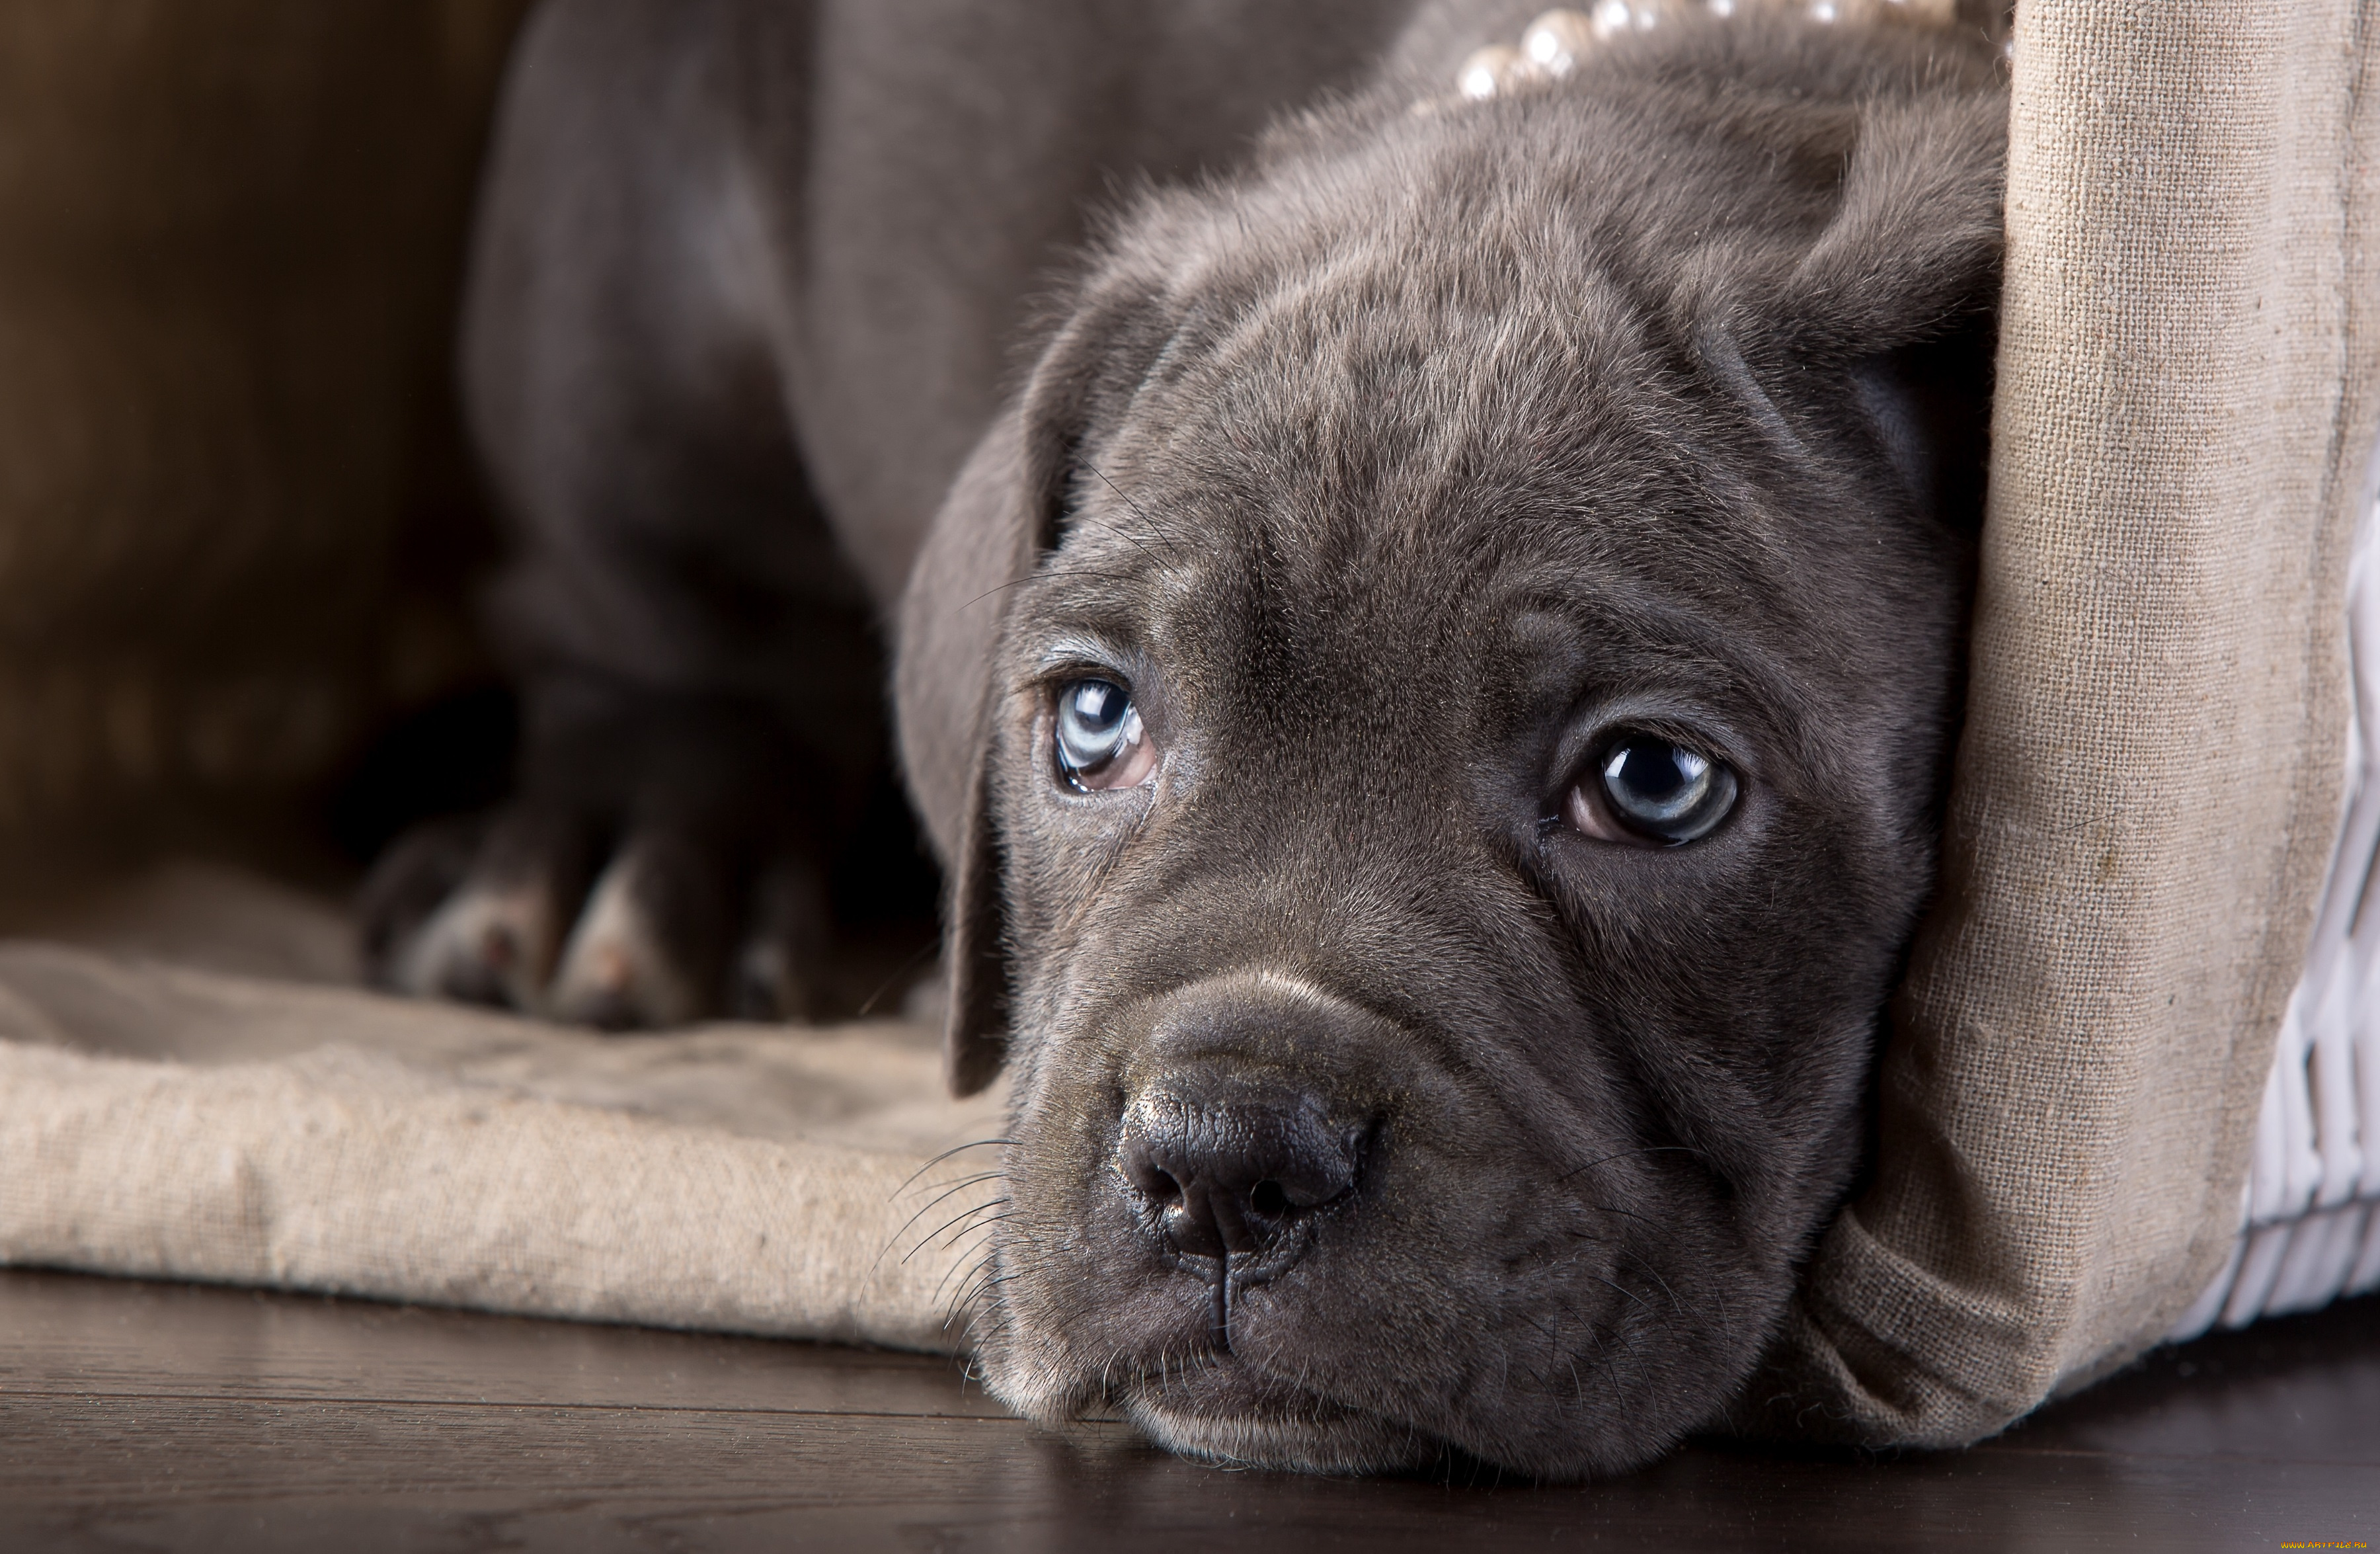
(167, 1416)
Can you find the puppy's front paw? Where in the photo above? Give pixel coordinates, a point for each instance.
(536, 910)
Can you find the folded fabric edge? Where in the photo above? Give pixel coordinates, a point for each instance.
(351, 1174)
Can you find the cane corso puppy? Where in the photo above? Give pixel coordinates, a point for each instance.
(1432, 684)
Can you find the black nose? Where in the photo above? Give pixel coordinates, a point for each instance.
(1229, 1165)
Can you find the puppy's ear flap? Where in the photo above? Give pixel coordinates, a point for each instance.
(987, 537)
(974, 1030)
(1929, 406)
(1901, 290)
(1004, 510)
(1897, 301)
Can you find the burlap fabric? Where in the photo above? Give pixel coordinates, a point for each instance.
(176, 1121)
(2148, 783)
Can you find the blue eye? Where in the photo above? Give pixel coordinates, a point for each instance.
(1666, 791)
(1098, 730)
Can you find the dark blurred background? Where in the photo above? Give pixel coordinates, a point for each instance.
(240, 533)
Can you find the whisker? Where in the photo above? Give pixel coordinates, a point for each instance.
(927, 1240)
(886, 986)
(1619, 1154)
(973, 1293)
(975, 1270)
(978, 1225)
(1614, 1208)
(1610, 1375)
(977, 1263)
(961, 1185)
(1020, 582)
(954, 1150)
(1654, 1274)
(1138, 511)
(1629, 1293)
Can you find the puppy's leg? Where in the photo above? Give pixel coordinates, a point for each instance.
(701, 679)
(476, 910)
(784, 941)
(674, 233)
(709, 896)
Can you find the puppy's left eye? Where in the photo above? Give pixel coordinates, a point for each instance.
(1100, 741)
(1650, 790)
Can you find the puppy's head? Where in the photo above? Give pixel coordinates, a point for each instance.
(1461, 765)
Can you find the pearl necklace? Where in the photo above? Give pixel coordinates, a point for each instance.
(1558, 41)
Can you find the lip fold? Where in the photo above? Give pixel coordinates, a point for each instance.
(1213, 1404)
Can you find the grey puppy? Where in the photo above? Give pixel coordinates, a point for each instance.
(1433, 692)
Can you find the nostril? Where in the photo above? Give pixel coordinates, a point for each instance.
(1222, 1166)
(1156, 1184)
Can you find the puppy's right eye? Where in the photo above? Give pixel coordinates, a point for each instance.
(1654, 791)
(1101, 741)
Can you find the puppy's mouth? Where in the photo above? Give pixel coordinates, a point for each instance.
(1280, 1234)
(1210, 1402)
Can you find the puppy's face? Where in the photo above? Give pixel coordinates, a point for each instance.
(1462, 773)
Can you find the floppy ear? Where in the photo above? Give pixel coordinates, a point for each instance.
(1896, 302)
(1002, 514)
(1903, 290)
(1929, 405)
(986, 537)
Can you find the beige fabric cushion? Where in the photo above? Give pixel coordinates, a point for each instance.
(163, 1121)
(2148, 784)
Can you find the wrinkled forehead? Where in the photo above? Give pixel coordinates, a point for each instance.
(1359, 450)
(1377, 369)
